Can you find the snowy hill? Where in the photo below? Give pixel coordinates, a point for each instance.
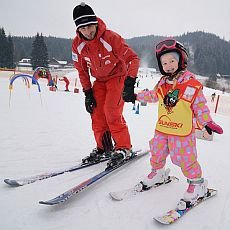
(51, 131)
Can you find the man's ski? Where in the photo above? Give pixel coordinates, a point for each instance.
(175, 214)
(85, 184)
(86, 162)
(32, 179)
(138, 188)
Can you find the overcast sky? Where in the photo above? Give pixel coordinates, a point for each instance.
(130, 18)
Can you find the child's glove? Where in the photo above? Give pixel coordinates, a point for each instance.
(211, 126)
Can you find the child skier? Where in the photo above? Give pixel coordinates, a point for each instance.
(181, 102)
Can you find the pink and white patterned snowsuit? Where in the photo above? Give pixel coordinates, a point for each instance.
(182, 149)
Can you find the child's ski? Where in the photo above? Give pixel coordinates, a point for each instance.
(175, 214)
(138, 188)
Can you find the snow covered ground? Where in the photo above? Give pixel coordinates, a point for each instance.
(51, 131)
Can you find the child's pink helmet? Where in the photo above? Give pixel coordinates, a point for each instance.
(171, 45)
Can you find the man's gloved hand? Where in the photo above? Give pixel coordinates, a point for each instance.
(211, 126)
(128, 92)
(90, 102)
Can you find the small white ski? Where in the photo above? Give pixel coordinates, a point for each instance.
(138, 188)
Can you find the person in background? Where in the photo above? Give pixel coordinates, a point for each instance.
(66, 80)
(104, 55)
(54, 79)
(213, 97)
(181, 102)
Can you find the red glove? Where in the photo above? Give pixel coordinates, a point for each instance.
(211, 126)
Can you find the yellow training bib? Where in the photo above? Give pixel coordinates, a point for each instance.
(175, 116)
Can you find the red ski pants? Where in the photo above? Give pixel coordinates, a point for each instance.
(108, 113)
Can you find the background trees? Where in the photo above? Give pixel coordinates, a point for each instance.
(6, 50)
(39, 54)
(209, 54)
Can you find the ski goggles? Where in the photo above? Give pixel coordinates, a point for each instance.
(166, 44)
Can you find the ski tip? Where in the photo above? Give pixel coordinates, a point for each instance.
(140, 151)
(45, 202)
(54, 201)
(161, 220)
(114, 196)
(174, 178)
(168, 218)
(211, 190)
(12, 183)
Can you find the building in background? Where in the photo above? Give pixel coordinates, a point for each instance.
(25, 65)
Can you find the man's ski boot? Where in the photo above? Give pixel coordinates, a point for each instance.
(197, 189)
(96, 155)
(118, 157)
(155, 177)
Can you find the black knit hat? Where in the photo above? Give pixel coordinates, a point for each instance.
(83, 15)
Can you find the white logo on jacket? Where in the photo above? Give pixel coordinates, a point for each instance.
(107, 62)
(74, 57)
(87, 59)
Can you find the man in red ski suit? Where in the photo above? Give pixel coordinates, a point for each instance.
(104, 55)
